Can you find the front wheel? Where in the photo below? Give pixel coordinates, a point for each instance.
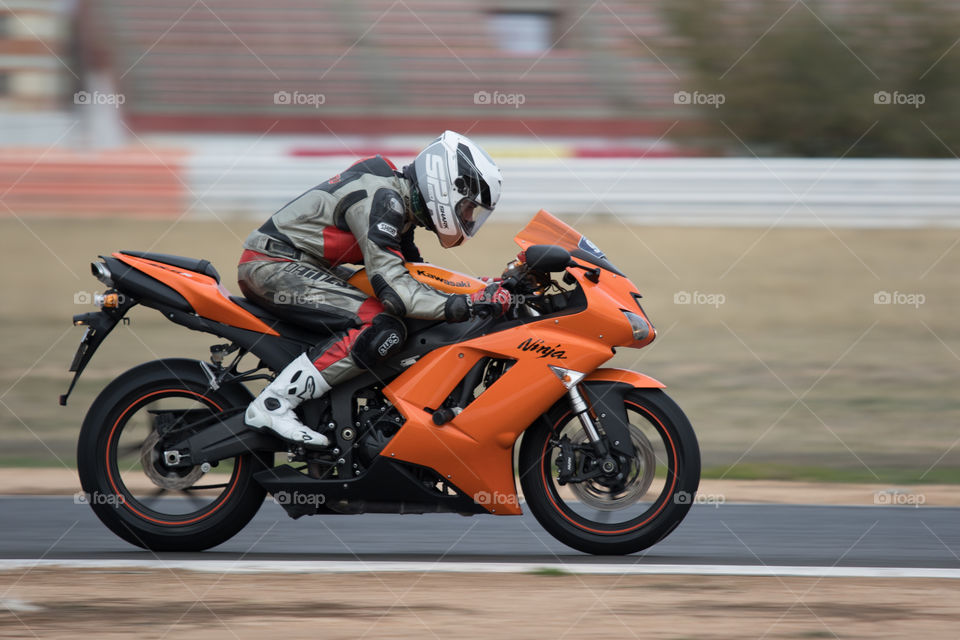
(602, 517)
(124, 478)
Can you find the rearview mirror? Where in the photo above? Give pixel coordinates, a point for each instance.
(547, 257)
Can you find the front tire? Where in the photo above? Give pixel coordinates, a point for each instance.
(665, 476)
(128, 487)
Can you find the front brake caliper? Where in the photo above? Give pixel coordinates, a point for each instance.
(566, 461)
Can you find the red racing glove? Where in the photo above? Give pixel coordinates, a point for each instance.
(491, 301)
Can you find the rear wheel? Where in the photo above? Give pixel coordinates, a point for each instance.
(124, 479)
(598, 515)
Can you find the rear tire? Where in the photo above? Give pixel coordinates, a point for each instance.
(103, 480)
(562, 515)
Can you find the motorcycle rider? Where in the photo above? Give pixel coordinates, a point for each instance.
(365, 215)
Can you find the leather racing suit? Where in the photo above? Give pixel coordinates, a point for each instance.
(292, 264)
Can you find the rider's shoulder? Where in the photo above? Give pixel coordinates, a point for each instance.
(374, 165)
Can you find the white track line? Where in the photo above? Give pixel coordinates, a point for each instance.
(324, 566)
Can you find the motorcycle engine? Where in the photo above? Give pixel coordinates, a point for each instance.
(379, 422)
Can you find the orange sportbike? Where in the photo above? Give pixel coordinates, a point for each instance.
(607, 462)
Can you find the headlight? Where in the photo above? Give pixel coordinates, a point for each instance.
(640, 327)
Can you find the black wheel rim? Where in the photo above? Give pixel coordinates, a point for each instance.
(652, 440)
(137, 480)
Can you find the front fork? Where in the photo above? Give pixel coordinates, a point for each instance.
(607, 465)
(579, 404)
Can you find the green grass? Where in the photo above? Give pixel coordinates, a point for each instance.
(548, 572)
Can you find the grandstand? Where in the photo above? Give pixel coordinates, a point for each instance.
(181, 70)
(205, 117)
(386, 67)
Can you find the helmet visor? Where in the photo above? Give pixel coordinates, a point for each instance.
(472, 215)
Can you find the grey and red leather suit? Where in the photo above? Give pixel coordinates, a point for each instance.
(363, 216)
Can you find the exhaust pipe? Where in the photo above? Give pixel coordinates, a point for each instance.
(101, 273)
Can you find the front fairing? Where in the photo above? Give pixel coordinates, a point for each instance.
(608, 297)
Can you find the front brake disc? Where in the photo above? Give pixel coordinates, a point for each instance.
(640, 475)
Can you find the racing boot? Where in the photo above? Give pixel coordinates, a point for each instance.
(274, 408)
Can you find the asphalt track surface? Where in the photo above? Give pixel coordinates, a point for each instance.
(54, 528)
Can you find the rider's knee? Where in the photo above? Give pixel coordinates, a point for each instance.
(382, 339)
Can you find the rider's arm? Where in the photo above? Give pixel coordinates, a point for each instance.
(410, 251)
(377, 223)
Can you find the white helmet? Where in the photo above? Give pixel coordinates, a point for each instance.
(460, 186)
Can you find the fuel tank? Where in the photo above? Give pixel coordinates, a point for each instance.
(431, 275)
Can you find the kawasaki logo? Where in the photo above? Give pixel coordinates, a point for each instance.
(543, 349)
(449, 283)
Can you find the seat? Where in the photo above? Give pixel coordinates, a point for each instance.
(311, 320)
(190, 264)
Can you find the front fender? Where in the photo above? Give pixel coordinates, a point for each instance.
(634, 379)
(606, 390)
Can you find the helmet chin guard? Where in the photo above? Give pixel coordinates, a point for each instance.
(460, 185)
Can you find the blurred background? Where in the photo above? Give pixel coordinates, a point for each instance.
(779, 178)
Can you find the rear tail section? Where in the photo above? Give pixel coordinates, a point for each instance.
(187, 292)
(182, 283)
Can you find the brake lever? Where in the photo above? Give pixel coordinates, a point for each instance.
(510, 283)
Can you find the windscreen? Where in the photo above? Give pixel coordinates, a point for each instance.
(547, 229)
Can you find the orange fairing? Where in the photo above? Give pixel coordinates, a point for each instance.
(428, 274)
(208, 298)
(616, 291)
(474, 451)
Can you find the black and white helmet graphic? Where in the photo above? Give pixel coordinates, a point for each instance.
(460, 185)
